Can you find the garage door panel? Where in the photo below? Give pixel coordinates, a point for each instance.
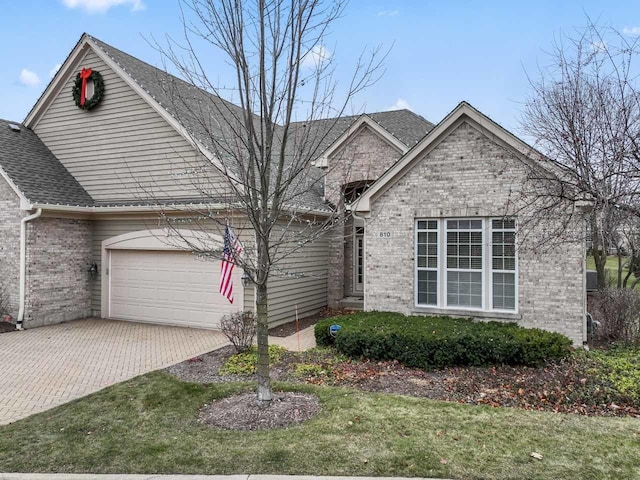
(169, 288)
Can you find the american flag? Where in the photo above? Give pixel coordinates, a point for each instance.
(232, 248)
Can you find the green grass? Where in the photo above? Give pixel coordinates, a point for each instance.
(611, 267)
(148, 425)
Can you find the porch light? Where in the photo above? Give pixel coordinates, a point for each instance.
(93, 270)
(246, 279)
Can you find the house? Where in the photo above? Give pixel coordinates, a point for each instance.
(426, 225)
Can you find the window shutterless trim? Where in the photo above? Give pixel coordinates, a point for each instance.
(418, 269)
(515, 271)
(487, 270)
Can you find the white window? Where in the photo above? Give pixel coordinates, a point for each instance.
(464, 263)
(503, 264)
(471, 265)
(427, 261)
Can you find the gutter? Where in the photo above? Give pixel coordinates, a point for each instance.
(173, 208)
(23, 264)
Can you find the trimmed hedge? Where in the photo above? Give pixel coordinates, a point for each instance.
(438, 342)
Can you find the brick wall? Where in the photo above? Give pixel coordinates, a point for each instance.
(10, 217)
(365, 156)
(58, 257)
(467, 175)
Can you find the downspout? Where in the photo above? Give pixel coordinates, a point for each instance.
(23, 264)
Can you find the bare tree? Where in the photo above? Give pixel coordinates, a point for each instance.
(257, 158)
(584, 114)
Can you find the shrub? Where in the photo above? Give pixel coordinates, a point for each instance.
(620, 367)
(240, 329)
(245, 363)
(438, 342)
(618, 312)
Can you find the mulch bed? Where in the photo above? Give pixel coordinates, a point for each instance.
(242, 412)
(564, 387)
(288, 329)
(6, 327)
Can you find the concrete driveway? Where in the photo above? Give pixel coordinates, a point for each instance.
(48, 366)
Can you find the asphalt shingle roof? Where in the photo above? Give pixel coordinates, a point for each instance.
(45, 180)
(36, 171)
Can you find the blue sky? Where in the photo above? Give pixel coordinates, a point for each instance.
(443, 51)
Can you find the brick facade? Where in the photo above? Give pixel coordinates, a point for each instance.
(10, 217)
(365, 156)
(58, 258)
(467, 175)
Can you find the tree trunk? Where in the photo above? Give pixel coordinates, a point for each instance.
(599, 254)
(262, 334)
(619, 266)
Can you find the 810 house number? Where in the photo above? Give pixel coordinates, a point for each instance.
(385, 235)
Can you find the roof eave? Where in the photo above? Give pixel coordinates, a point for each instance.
(157, 208)
(363, 204)
(364, 119)
(25, 204)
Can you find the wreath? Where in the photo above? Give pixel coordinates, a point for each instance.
(80, 85)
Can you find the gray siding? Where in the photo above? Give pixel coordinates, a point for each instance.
(123, 149)
(299, 279)
(108, 228)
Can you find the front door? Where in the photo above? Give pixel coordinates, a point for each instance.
(358, 255)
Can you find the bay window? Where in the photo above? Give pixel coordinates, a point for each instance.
(466, 264)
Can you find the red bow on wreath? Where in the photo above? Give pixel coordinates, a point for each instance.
(84, 75)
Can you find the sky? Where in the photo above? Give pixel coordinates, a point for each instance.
(441, 52)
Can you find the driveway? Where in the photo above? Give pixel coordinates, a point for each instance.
(48, 366)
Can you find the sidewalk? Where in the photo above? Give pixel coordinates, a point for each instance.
(82, 476)
(307, 340)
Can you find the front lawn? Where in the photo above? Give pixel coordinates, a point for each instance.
(149, 425)
(611, 267)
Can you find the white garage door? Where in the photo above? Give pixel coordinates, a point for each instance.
(171, 288)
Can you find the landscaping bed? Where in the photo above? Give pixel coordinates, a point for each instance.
(579, 384)
(6, 327)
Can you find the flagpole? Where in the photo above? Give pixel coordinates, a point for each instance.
(297, 327)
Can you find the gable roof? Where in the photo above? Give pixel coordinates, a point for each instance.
(35, 171)
(195, 114)
(401, 129)
(462, 110)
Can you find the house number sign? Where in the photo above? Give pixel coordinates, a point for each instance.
(386, 234)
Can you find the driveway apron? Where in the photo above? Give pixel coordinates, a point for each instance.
(48, 366)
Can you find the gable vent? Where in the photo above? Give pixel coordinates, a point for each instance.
(14, 127)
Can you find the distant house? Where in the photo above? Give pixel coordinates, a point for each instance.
(426, 225)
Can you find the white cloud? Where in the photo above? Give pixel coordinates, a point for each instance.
(388, 13)
(101, 6)
(401, 104)
(54, 70)
(28, 78)
(631, 31)
(316, 57)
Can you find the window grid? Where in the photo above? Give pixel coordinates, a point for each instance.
(464, 264)
(427, 262)
(450, 269)
(503, 264)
